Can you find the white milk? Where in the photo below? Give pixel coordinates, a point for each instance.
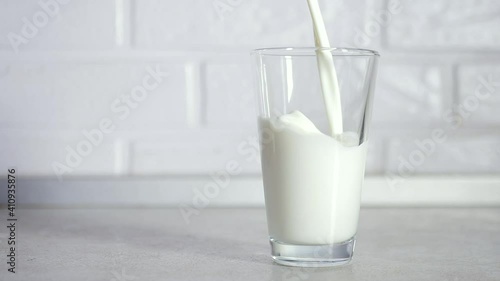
(327, 73)
(312, 181)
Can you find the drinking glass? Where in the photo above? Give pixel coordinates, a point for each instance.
(313, 176)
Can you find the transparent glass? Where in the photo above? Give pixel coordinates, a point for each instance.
(313, 174)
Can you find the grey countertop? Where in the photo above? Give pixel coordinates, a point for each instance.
(231, 244)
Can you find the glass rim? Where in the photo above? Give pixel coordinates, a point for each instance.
(311, 51)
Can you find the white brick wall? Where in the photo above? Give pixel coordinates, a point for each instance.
(228, 24)
(66, 77)
(472, 76)
(73, 96)
(409, 95)
(77, 25)
(230, 99)
(444, 24)
(479, 154)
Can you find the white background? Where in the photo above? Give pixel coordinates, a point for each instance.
(82, 56)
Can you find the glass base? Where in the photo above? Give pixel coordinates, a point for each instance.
(313, 255)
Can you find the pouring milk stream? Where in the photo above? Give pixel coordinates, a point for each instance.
(313, 180)
(327, 73)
